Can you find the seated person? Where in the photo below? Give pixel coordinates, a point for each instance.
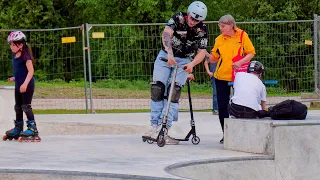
(249, 93)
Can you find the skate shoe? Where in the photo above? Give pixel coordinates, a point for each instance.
(31, 134)
(171, 141)
(155, 133)
(14, 133)
(215, 112)
(151, 133)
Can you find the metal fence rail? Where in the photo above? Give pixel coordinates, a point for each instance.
(122, 55)
(316, 33)
(56, 64)
(127, 51)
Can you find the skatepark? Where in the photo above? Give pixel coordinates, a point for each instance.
(109, 146)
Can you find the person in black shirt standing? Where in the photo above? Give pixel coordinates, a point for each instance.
(23, 70)
(184, 35)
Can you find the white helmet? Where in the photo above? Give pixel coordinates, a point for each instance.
(198, 10)
(16, 36)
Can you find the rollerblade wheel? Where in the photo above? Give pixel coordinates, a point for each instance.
(150, 141)
(161, 142)
(20, 139)
(4, 138)
(37, 139)
(143, 140)
(195, 140)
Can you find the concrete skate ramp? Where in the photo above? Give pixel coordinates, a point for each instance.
(26, 174)
(292, 147)
(244, 168)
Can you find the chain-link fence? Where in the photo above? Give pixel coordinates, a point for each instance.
(124, 54)
(59, 66)
(317, 54)
(121, 56)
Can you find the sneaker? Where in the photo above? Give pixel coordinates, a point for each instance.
(155, 132)
(221, 141)
(215, 112)
(171, 141)
(151, 131)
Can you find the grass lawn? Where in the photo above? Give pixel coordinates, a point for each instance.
(120, 89)
(116, 89)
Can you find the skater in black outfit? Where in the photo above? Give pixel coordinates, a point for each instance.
(22, 61)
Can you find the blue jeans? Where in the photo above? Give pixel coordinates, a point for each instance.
(162, 72)
(214, 89)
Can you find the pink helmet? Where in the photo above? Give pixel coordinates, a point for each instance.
(16, 36)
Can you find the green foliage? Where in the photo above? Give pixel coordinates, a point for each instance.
(280, 46)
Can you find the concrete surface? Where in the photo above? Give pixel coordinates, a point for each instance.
(294, 151)
(255, 136)
(252, 168)
(297, 150)
(107, 148)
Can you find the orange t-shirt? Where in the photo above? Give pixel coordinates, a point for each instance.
(225, 48)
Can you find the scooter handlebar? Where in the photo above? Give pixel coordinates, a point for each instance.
(166, 60)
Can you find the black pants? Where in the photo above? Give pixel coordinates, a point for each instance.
(239, 111)
(23, 99)
(223, 97)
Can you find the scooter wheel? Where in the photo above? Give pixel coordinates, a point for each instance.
(195, 140)
(150, 141)
(161, 142)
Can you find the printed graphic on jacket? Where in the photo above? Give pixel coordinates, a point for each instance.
(186, 40)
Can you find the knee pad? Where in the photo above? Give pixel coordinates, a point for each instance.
(176, 92)
(157, 91)
(28, 110)
(17, 108)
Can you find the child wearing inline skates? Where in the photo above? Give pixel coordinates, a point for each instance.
(22, 62)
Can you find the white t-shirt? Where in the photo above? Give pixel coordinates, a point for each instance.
(249, 91)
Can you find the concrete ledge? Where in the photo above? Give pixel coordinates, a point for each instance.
(216, 160)
(315, 104)
(17, 174)
(297, 151)
(243, 168)
(295, 123)
(254, 136)
(309, 96)
(7, 87)
(295, 144)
